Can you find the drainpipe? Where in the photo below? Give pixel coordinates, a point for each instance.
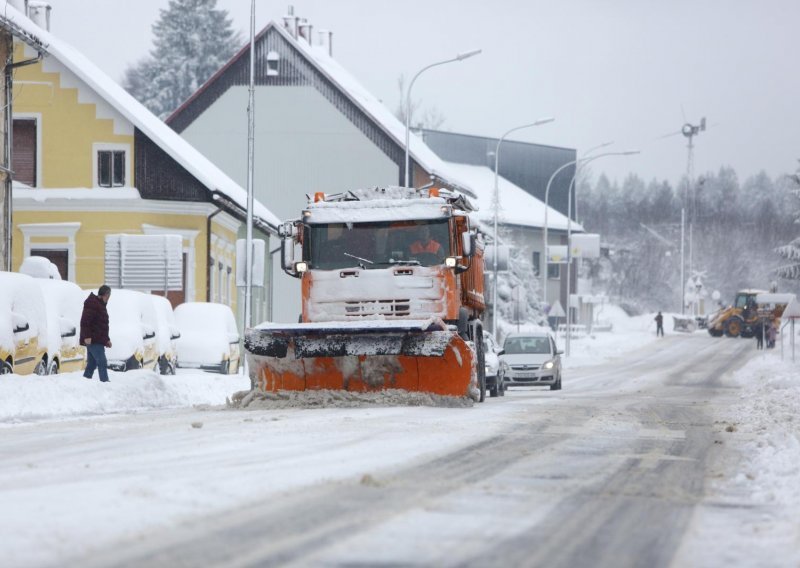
(209, 261)
(8, 124)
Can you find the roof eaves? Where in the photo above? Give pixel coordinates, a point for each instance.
(30, 39)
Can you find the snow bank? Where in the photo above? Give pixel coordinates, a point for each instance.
(39, 267)
(768, 429)
(33, 397)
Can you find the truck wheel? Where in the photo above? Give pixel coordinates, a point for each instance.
(733, 327)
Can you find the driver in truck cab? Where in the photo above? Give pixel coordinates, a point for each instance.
(425, 244)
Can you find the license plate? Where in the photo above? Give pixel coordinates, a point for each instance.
(525, 375)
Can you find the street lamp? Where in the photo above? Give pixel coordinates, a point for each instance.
(497, 206)
(569, 223)
(459, 57)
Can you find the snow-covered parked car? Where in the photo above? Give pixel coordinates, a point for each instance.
(209, 337)
(63, 302)
(494, 370)
(166, 335)
(132, 331)
(23, 325)
(533, 360)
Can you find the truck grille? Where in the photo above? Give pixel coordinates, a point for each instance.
(387, 308)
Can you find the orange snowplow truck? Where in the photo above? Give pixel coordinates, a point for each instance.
(392, 295)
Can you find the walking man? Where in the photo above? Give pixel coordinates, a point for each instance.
(94, 333)
(759, 329)
(659, 324)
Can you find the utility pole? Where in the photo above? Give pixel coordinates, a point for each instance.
(689, 131)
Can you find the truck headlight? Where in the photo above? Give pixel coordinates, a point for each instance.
(300, 266)
(451, 261)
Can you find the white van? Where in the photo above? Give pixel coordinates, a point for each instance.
(132, 331)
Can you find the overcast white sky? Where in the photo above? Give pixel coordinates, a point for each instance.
(606, 69)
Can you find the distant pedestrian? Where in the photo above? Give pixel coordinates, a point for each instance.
(94, 333)
(772, 333)
(759, 331)
(659, 325)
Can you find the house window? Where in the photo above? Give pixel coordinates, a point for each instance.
(111, 168)
(59, 257)
(23, 157)
(537, 259)
(554, 271)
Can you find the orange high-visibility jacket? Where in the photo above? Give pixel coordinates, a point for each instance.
(432, 247)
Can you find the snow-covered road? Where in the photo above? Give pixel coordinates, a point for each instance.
(622, 467)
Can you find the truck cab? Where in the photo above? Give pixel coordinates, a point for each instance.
(367, 255)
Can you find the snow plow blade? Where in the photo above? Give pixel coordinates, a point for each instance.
(413, 355)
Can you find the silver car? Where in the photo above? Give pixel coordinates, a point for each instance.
(533, 360)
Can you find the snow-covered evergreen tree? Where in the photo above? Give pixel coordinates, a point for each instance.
(791, 251)
(192, 40)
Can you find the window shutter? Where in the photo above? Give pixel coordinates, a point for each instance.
(24, 151)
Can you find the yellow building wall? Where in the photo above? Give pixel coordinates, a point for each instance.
(68, 128)
(90, 241)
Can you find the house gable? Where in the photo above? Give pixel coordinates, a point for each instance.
(69, 122)
(294, 70)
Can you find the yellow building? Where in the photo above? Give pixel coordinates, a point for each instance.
(90, 161)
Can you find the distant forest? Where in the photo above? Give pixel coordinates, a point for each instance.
(737, 228)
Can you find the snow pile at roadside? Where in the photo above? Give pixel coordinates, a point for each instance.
(254, 400)
(767, 425)
(33, 397)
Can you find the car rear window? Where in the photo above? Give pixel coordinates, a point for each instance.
(515, 345)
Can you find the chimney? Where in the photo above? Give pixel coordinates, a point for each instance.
(305, 30)
(39, 12)
(326, 40)
(290, 22)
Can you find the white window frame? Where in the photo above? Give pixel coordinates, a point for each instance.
(37, 116)
(61, 230)
(109, 147)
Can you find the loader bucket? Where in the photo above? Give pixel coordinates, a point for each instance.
(413, 355)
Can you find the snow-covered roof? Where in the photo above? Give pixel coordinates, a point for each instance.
(517, 206)
(162, 135)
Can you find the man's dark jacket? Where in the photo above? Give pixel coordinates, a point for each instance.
(94, 321)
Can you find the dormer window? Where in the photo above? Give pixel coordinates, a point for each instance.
(111, 168)
(112, 165)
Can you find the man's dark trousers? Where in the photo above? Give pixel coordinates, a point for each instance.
(96, 359)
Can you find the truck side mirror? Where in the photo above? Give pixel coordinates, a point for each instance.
(468, 244)
(287, 253)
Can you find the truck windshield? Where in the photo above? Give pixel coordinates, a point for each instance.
(376, 245)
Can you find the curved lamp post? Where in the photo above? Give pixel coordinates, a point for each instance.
(569, 224)
(497, 206)
(459, 57)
